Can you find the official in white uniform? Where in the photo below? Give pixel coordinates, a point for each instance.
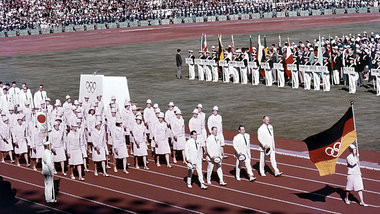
(265, 135)
(214, 156)
(242, 146)
(354, 176)
(48, 172)
(193, 154)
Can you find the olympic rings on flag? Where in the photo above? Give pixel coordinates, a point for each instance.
(333, 151)
(90, 86)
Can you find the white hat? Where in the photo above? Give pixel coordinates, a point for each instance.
(113, 98)
(175, 108)
(161, 114)
(171, 104)
(79, 115)
(57, 102)
(20, 117)
(46, 143)
(74, 125)
(195, 111)
(56, 123)
(215, 108)
(134, 107)
(79, 120)
(98, 122)
(86, 96)
(27, 102)
(178, 112)
(68, 97)
(138, 117)
(76, 102)
(118, 120)
(127, 103)
(199, 106)
(157, 110)
(113, 110)
(5, 119)
(47, 99)
(149, 101)
(155, 105)
(73, 108)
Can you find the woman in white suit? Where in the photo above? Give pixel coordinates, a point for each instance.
(99, 148)
(119, 147)
(139, 145)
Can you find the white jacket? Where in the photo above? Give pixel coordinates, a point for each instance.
(242, 145)
(213, 146)
(193, 151)
(265, 135)
(47, 163)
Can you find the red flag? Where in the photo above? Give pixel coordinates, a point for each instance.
(288, 59)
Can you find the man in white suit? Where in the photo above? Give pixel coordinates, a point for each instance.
(241, 143)
(48, 172)
(40, 96)
(214, 152)
(193, 154)
(265, 135)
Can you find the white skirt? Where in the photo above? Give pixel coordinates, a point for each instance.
(38, 153)
(5, 147)
(354, 182)
(59, 155)
(163, 147)
(76, 157)
(180, 143)
(84, 151)
(22, 148)
(141, 151)
(122, 152)
(99, 156)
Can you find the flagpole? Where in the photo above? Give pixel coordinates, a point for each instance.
(353, 116)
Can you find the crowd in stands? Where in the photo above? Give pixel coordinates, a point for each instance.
(16, 14)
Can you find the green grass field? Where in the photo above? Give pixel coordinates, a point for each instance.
(150, 69)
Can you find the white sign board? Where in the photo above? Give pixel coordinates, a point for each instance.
(223, 63)
(232, 63)
(305, 68)
(198, 61)
(265, 65)
(278, 66)
(239, 64)
(189, 61)
(107, 86)
(322, 69)
(375, 72)
(348, 70)
(291, 67)
(252, 65)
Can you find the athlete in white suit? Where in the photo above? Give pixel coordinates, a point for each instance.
(193, 154)
(214, 150)
(241, 143)
(48, 172)
(265, 135)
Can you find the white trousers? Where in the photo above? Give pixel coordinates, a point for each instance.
(191, 72)
(235, 74)
(201, 74)
(198, 168)
(326, 82)
(281, 78)
(49, 188)
(208, 73)
(336, 77)
(295, 81)
(307, 80)
(378, 85)
(247, 165)
(215, 76)
(243, 73)
(255, 76)
(352, 83)
(226, 74)
(268, 77)
(272, 157)
(219, 171)
(317, 81)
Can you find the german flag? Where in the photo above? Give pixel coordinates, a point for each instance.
(326, 147)
(220, 48)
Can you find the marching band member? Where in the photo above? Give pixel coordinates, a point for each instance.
(326, 76)
(242, 146)
(139, 145)
(265, 135)
(255, 71)
(119, 147)
(281, 72)
(268, 72)
(99, 147)
(214, 156)
(193, 154)
(178, 132)
(352, 78)
(316, 75)
(201, 72)
(161, 134)
(191, 66)
(307, 75)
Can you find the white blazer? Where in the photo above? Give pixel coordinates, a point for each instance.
(241, 145)
(193, 151)
(213, 147)
(265, 135)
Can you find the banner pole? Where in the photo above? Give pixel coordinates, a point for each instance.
(353, 116)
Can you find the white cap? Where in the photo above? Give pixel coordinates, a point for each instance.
(20, 116)
(57, 102)
(175, 108)
(157, 110)
(73, 108)
(46, 143)
(215, 108)
(113, 98)
(98, 122)
(199, 106)
(27, 102)
(171, 104)
(76, 102)
(178, 112)
(138, 117)
(195, 111)
(118, 120)
(127, 103)
(68, 97)
(161, 114)
(149, 101)
(47, 99)
(86, 96)
(134, 107)
(155, 105)
(5, 119)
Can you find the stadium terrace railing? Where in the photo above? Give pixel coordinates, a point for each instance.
(179, 20)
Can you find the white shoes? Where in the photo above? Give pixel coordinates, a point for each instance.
(263, 174)
(347, 201)
(278, 174)
(203, 186)
(189, 186)
(363, 204)
(252, 179)
(222, 183)
(238, 178)
(209, 182)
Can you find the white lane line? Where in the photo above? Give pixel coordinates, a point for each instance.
(307, 179)
(123, 193)
(69, 194)
(42, 205)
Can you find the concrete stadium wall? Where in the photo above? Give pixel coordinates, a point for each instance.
(136, 23)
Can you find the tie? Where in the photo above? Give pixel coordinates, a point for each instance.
(41, 95)
(245, 140)
(196, 144)
(269, 130)
(215, 140)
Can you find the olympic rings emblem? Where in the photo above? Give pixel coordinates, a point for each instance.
(90, 86)
(333, 151)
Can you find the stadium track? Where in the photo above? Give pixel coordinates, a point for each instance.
(112, 37)
(163, 190)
